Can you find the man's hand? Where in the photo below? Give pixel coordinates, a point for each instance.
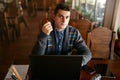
(47, 28)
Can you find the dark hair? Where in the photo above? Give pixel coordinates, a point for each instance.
(61, 6)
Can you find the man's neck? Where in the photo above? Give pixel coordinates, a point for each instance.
(60, 30)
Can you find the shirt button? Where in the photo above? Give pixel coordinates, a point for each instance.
(59, 46)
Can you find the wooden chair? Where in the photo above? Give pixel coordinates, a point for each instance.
(72, 22)
(83, 25)
(10, 31)
(75, 14)
(5, 31)
(12, 11)
(2, 26)
(101, 42)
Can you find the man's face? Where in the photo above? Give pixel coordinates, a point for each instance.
(61, 19)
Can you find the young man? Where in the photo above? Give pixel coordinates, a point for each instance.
(59, 38)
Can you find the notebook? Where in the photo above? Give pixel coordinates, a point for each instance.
(55, 67)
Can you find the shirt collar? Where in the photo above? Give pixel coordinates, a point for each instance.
(59, 32)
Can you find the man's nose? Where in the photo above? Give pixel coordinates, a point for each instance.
(63, 20)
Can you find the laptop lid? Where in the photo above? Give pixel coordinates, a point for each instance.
(55, 67)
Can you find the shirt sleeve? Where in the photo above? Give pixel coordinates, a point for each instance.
(82, 49)
(40, 46)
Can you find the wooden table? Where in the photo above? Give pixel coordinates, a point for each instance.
(21, 69)
(113, 64)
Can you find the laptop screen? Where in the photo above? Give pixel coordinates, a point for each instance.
(55, 67)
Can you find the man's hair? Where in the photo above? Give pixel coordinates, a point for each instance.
(61, 6)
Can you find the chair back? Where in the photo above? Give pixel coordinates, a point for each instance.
(2, 19)
(74, 14)
(12, 11)
(83, 25)
(101, 42)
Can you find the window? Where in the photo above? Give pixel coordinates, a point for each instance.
(91, 9)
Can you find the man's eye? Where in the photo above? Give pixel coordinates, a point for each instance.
(60, 16)
(67, 17)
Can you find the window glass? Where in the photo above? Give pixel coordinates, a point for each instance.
(91, 9)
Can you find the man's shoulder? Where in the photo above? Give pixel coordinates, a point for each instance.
(71, 28)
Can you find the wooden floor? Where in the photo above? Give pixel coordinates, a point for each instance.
(17, 52)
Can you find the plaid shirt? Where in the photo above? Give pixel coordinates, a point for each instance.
(47, 44)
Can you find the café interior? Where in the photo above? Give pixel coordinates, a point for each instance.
(97, 21)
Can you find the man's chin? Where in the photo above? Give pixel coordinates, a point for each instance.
(63, 26)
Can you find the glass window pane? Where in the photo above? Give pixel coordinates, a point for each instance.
(91, 9)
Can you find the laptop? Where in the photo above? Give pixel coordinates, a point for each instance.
(55, 67)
